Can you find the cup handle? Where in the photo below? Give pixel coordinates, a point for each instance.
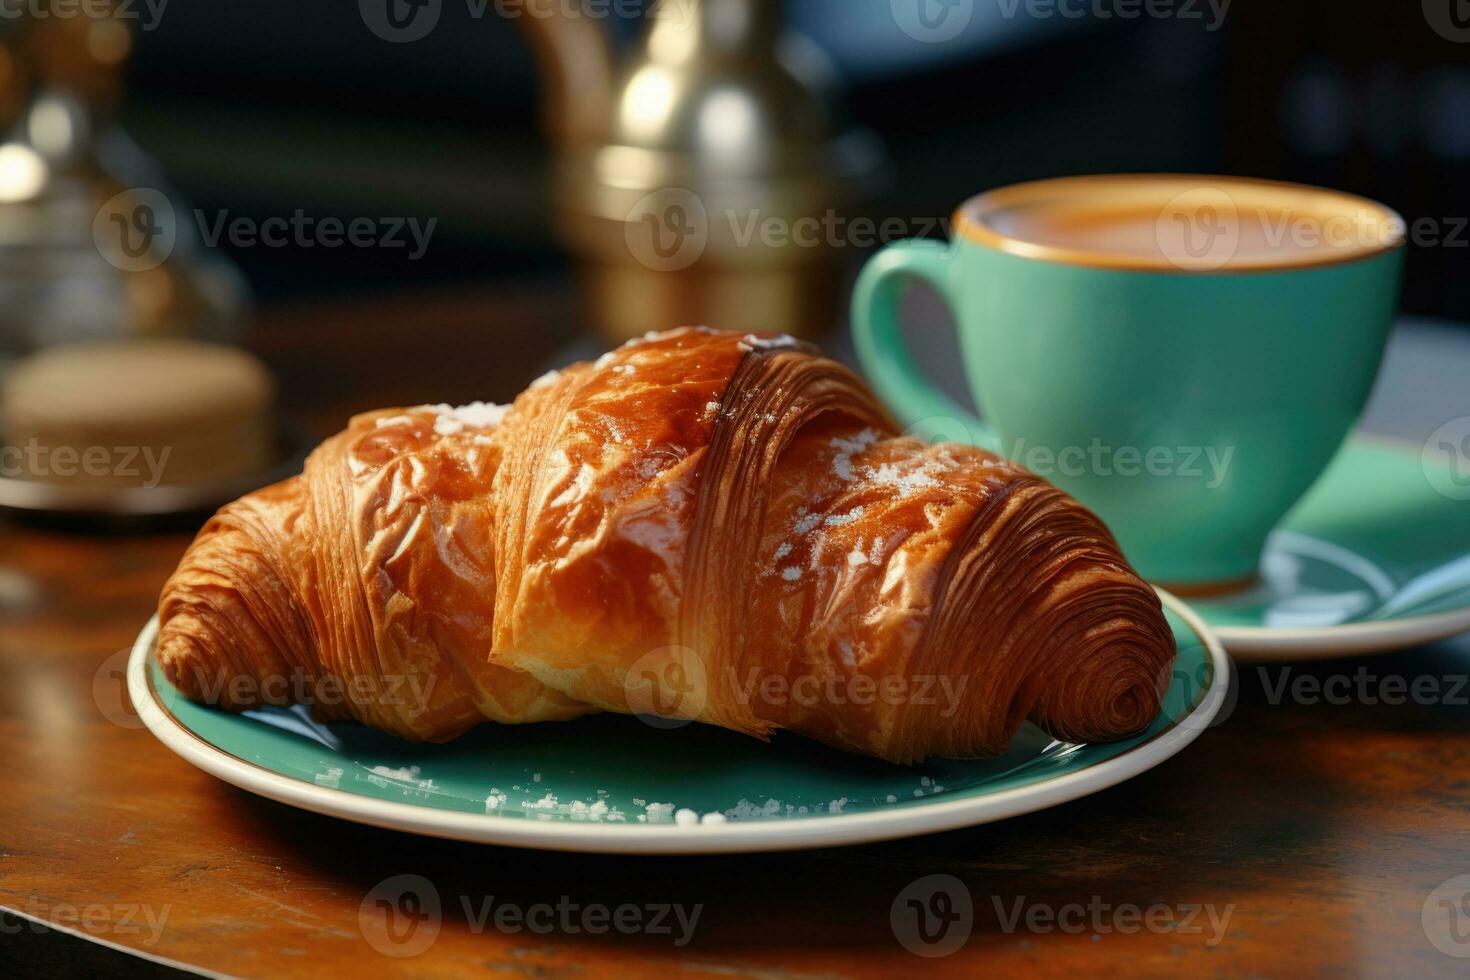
(929, 412)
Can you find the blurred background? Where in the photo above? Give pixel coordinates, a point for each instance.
(535, 179)
(265, 106)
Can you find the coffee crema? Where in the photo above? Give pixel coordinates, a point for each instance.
(1179, 223)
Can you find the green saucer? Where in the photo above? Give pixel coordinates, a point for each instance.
(614, 784)
(1375, 557)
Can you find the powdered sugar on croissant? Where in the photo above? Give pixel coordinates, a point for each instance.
(710, 526)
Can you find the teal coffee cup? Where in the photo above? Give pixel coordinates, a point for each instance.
(1182, 354)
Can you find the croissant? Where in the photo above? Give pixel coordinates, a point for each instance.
(699, 526)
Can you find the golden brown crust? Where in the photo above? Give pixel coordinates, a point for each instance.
(706, 525)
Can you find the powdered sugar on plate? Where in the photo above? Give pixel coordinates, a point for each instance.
(658, 813)
(387, 777)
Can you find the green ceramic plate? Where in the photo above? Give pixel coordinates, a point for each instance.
(611, 783)
(1375, 557)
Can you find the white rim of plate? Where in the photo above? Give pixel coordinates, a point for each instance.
(734, 837)
(1265, 644)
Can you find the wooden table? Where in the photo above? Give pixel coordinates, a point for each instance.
(1319, 829)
